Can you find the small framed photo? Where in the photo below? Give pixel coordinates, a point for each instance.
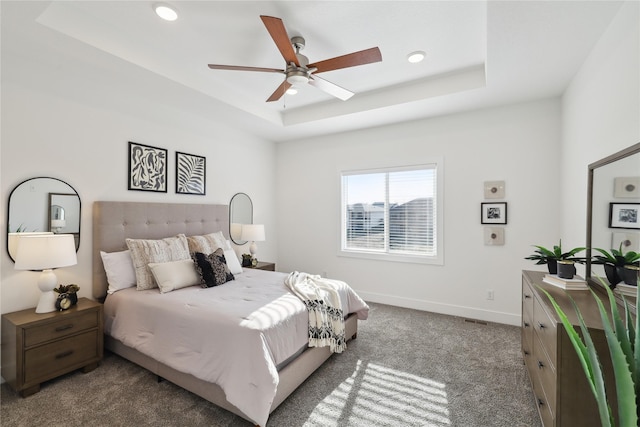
(493, 213)
(147, 168)
(191, 174)
(624, 215)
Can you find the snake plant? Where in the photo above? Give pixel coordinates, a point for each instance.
(624, 349)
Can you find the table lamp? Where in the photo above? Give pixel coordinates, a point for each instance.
(253, 233)
(44, 253)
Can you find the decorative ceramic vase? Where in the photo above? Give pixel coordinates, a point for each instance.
(566, 269)
(630, 274)
(611, 271)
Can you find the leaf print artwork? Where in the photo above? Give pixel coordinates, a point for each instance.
(190, 174)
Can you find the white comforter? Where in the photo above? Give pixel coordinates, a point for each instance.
(233, 335)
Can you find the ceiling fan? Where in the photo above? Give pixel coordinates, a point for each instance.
(298, 71)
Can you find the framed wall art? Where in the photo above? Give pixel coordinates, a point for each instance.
(191, 174)
(626, 187)
(494, 189)
(494, 236)
(147, 168)
(493, 213)
(624, 215)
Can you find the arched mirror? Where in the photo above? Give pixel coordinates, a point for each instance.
(41, 205)
(613, 207)
(240, 212)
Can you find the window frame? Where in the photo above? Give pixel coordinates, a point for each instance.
(438, 259)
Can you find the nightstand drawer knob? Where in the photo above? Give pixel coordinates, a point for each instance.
(64, 354)
(64, 327)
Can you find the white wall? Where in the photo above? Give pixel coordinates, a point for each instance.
(84, 142)
(601, 112)
(519, 144)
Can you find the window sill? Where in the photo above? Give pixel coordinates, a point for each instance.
(414, 259)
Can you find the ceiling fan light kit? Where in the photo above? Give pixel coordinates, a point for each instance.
(298, 71)
(165, 11)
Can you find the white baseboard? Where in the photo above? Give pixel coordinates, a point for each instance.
(436, 307)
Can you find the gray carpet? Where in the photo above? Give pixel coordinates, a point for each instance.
(407, 368)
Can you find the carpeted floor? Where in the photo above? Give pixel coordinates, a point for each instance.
(407, 368)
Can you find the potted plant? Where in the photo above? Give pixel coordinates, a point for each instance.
(71, 290)
(551, 257)
(624, 349)
(614, 263)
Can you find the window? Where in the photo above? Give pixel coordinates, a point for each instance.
(393, 213)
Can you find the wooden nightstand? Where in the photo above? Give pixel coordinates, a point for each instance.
(269, 266)
(37, 347)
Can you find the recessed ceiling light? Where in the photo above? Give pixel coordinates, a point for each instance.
(292, 90)
(166, 12)
(415, 57)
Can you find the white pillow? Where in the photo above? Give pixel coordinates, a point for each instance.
(119, 269)
(174, 274)
(232, 259)
(145, 251)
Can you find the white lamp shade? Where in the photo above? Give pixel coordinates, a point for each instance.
(13, 239)
(42, 252)
(253, 232)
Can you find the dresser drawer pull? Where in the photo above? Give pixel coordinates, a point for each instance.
(64, 327)
(526, 353)
(540, 402)
(64, 354)
(541, 326)
(527, 296)
(540, 365)
(526, 324)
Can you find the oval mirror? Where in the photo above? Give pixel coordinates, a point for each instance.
(43, 205)
(240, 212)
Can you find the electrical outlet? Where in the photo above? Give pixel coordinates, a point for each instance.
(490, 294)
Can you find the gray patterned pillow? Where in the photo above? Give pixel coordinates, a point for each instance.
(212, 268)
(207, 243)
(145, 251)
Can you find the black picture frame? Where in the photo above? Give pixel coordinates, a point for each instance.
(191, 174)
(624, 215)
(493, 213)
(147, 168)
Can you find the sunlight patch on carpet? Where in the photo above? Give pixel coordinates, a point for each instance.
(375, 395)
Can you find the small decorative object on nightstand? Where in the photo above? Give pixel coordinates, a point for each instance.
(269, 266)
(40, 347)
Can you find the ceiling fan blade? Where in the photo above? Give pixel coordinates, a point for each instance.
(362, 57)
(277, 94)
(281, 38)
(330, 88)
(241, 68)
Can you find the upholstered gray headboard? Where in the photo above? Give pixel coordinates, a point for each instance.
(115, 221)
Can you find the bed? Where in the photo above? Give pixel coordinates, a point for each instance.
(114, 222)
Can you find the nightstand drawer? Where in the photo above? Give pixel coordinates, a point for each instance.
(61, 328)
(48, 360)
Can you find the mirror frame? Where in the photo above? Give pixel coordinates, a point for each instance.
(48, 210)
(239, 242)
(627, 152)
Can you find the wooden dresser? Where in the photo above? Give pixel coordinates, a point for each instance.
(561, 390)
(37, 347)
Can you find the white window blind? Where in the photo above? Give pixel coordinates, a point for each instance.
(391, 211)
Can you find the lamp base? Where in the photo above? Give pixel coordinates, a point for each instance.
(47, 302)
(47, 282)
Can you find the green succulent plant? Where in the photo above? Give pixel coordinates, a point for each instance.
(616, 257)
(543, 255)
(624, 348)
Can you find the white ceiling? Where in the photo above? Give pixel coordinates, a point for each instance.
(478, 54)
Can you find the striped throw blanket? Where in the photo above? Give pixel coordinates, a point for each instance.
(326, 319)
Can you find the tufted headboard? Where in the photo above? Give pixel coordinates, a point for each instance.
(115, 221)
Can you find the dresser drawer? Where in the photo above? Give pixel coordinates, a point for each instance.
(546, 330)
(544, 370)
(50, 360)
(543, 407)
(527, 297)
(67, 325)
(527, 335)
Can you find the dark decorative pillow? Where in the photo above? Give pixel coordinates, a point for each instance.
(212, 268)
